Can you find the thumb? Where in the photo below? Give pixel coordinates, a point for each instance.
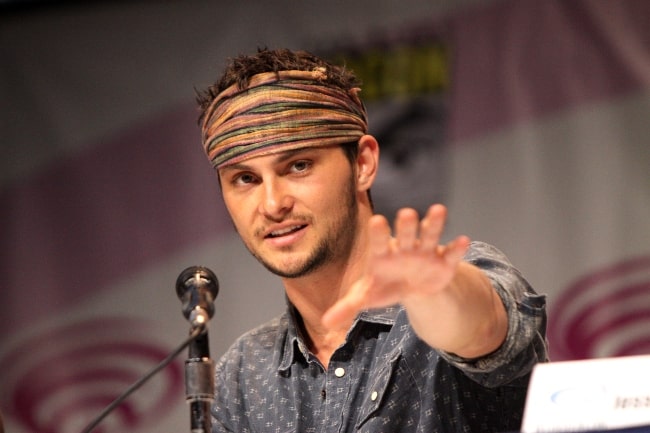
(345, 310)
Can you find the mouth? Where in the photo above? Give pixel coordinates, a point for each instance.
(285, 231)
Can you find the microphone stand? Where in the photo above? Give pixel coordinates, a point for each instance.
(199, 382)
(197, 287)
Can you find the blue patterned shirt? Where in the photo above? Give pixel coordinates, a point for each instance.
(383, 378)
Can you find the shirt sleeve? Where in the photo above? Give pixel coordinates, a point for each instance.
(525, 343)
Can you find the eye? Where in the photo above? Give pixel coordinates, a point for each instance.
(243, 179)
(300, 166)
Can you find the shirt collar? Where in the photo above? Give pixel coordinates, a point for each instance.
(295, 345)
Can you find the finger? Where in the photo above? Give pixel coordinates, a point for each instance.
(456, 250)
(406, 228)
(432, 226)
(378, 235)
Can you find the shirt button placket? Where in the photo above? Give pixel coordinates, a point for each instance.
(337, 392)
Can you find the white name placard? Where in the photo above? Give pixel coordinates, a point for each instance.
(594, 394)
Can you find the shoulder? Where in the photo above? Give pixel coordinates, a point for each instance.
(258, 343)
(483, 255)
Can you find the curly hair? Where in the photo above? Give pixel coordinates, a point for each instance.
(240, 69)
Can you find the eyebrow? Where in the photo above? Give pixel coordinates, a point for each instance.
(279, 157)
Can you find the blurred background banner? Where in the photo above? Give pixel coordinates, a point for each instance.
(528, 119)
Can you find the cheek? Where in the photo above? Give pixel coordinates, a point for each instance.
(321, 200)
(329, 190)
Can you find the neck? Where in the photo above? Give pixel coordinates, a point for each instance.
(314, 294)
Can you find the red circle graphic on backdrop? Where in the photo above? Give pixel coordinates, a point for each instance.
(603, 314)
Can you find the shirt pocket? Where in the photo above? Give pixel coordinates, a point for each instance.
(387, 399)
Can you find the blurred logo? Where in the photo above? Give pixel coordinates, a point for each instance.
(604, 314)
(59, 380)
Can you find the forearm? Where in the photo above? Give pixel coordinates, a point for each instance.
(467, 318)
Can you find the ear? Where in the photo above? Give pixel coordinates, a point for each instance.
(367, 162)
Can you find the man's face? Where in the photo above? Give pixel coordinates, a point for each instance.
(295, 211)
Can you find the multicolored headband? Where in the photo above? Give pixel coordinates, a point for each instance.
(280, 111)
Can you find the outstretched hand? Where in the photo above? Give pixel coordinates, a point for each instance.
(403, 267)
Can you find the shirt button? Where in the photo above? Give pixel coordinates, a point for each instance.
(373, 396)
(339, 372)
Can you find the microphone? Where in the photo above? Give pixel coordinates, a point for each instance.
(197, 288)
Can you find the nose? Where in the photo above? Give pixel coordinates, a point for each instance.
(277, 201)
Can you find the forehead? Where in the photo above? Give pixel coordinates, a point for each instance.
(280, 157)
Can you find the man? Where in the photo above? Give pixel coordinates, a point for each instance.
(385, 330)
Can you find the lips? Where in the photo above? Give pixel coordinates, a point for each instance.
(285, 231)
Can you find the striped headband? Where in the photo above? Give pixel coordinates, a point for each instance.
(280, 111)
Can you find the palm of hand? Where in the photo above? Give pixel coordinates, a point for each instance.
(407, 265)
